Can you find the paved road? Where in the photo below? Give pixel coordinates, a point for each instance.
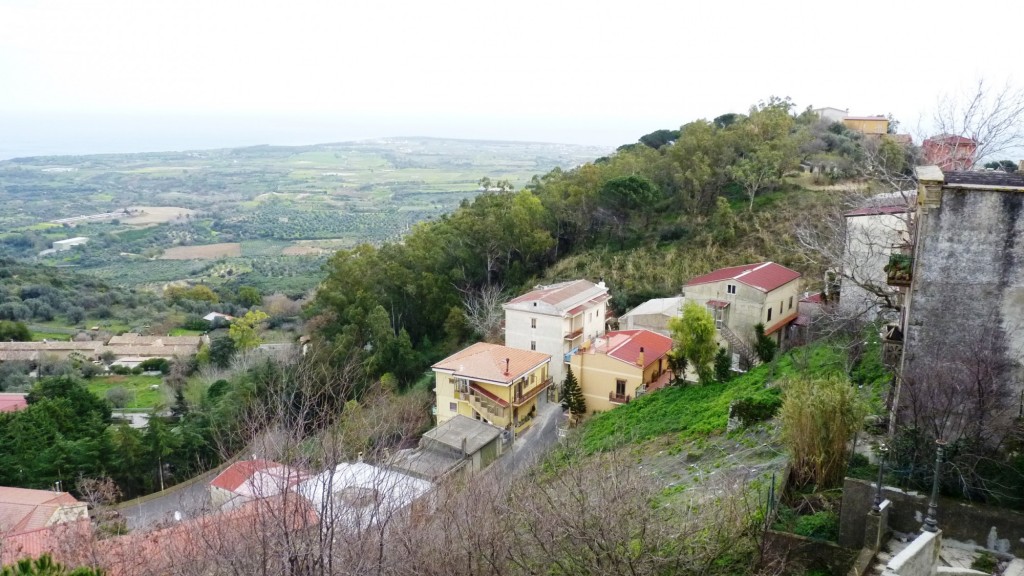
(534, 443)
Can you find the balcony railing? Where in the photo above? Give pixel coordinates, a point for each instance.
(618, 398)
(530, 393)
(900, 269)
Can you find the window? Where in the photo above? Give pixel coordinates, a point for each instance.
(620, 387)
(790, 302)
(533, 322)
(453, 406)
(730, 288)
(780, 308)
(533, 344)
(769, 314)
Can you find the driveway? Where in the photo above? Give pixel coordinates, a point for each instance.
(528, 449)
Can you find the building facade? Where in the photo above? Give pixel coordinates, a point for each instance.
(871, 126)
(949, 152)
(653, 315)
(740, 297)
(557, 319)
(963, 326)
(873, 234)
(619, 366)
(495, 384)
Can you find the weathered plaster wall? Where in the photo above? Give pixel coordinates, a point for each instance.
(968, 277)
(957, 520)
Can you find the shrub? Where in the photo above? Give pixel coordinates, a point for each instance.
(822, 525)
(819, 416)
(155, 365)
(753, 409)
(118, 396)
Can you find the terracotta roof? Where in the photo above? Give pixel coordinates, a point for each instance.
(483, 361)
(235, 475)
(764, 276)
(150, 350)
(588, 304)
(88, 346)
(812, 298)
(560, 297)
(12, 402)
(625, 345)
(55, 540)
(951, 139)
(22, 509)
(879, 210)
(718, 303)
(132, 339)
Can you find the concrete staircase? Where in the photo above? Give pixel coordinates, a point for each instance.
(739, 346)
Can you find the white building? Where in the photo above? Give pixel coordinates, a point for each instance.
(359, 496)
(831, 114)
(556, 319)
(61, 245)
(653, 315)
(872, 234)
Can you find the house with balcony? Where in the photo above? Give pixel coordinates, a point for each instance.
(950, 152)
(495, 384)
(619, 366)
(557, 319)
(740, 297)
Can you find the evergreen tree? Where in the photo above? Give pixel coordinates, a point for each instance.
(764, 346)
(572, 395)
(723, 366)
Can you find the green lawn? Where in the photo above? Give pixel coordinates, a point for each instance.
(141, 397)
(185, 332)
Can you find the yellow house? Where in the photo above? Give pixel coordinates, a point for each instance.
(495, 384)
(619, 366)
(876, 126)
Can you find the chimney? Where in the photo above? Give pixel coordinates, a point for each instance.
(506, 366)
(640, 358)
(464, 453)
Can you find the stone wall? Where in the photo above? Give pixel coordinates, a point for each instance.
(957, 520)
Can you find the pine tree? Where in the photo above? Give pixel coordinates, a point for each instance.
(764, 346)
(572, 395)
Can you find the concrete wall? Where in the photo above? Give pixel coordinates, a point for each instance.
(919, 558)
(968, 283)
(957, 520)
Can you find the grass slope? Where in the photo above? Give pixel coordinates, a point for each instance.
(695, 411)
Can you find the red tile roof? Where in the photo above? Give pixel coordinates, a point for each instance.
(718, 303)
(53, 540)
(951, 139)
(22, 509)
(12, 402)
(483, 361)
(764, 276)
(235, 475)
(812, 298)
(625, 345)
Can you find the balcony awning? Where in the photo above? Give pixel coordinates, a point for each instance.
(483, 392)
(718, 304)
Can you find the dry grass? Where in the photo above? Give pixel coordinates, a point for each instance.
(207, 252)
(144, 215)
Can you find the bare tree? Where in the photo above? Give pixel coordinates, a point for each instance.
(992, 117)
(482, 309)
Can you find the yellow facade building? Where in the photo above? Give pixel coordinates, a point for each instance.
(619, 366)
(491, 383)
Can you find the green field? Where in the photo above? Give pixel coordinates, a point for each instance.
(266, 197)
(141, 397)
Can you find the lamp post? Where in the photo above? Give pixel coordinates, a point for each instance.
(883, 450)
(930, 524)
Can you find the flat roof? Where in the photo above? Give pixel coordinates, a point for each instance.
(451, 433)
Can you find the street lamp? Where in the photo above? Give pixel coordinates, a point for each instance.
(883, 450)
(930, 524)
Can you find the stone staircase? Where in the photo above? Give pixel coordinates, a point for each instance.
(739, 346)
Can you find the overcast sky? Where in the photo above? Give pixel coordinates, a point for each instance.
(559, 71)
